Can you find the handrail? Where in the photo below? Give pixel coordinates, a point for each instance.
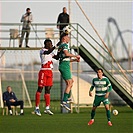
(37, 32)
(120, 71)
(127, 84)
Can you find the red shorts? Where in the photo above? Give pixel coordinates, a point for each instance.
(45, 78)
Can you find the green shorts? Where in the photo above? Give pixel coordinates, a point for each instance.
(99, 99)
(64, 68)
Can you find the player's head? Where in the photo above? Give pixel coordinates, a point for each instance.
(64, 38)
(48, 44)
(99, 73)
(64, 10)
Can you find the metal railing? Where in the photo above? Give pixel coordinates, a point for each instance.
(108, 61)
(38, 33)
(79, 36)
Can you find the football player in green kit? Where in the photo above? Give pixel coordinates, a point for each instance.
(102, 87)
(65, 57)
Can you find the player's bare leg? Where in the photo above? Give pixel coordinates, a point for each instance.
(69, 84)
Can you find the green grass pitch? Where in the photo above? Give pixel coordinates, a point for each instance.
(68, 123)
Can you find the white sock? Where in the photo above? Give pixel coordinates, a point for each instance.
(47, 107)
(37, 107)
(10, 111)
(21, 111)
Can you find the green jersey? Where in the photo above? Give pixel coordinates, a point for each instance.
(102, 86)
(61, 54)
(64, 64)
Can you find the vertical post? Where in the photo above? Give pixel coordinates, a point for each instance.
(1, 100)
(63, 85)
(77, 74)
(2, 64)
(69, 12)
(130, 56)
(70, 43)
(36, 34)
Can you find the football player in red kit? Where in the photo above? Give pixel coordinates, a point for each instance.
(45, 76)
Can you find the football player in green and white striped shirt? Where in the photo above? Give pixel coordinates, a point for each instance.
(65, 57)
(102, 87)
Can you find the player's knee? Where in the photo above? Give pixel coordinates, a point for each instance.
(47, 89)
(39, 89)
(71, 82)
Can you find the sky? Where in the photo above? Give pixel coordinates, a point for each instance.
(43, 11)
(98, 11)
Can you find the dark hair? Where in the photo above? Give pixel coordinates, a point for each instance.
(62, 35)
(99, 69)
(47, 42)
(27, 9)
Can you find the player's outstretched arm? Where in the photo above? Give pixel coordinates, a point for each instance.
(49, 51)
(77, 59)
